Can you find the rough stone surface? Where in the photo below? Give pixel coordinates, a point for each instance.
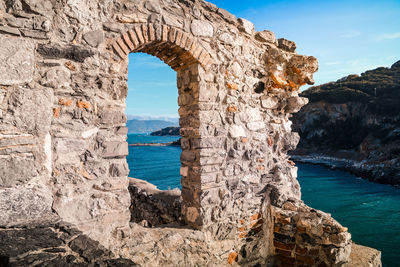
(17, 56)
(202, 28)
(62, 133)
(153, 207)
(266, 36)
(53, 244)
(364, 257)
(246, 26)
(94, 38)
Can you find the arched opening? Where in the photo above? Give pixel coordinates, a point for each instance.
(151, 107)
(190, 60)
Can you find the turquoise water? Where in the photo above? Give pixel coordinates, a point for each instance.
(370, 211)
(157, 164)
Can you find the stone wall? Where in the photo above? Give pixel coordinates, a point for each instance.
(307, 237)
(63, 135)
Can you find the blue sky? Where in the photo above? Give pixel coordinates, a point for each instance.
(345, 36)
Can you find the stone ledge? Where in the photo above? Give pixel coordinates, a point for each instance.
(362, 256)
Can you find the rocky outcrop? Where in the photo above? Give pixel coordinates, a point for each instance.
(167, 131)
(63, 132)
(353, 124)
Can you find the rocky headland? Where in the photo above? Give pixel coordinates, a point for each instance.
(354, 124)
(167, 131)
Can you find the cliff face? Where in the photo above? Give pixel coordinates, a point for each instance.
(356, 118)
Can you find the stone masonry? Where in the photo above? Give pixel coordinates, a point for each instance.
(63, 88)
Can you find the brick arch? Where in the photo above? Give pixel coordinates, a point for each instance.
(175, 47)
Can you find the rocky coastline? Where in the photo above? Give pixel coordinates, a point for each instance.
(378, 172)
(353, 124)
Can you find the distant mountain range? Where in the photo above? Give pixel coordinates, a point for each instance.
(152, 118)
(148, 126)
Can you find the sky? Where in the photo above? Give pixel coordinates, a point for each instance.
(347, 37)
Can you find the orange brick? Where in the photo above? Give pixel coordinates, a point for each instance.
(139, 34)
(123, 46)
(145, 34)
(232, 109)
(284, 220)
(83, 104)
(296, 70)
(291, 162)
(172, 35)
(244, 140)
(242, 235)
(178, 37)
(255, 217)
(189, 44)
(165, 31)
(56, 112)
(233, 257)
(197, 52)
(292, 84)
(70, 66)
(118, 50)
(255, 224)
(133, 37)
(232, 86)
(260, 160)
(242, 229)
(270, 141)
(260, 168)
(151, 31)
(183, 40)
(128, 42)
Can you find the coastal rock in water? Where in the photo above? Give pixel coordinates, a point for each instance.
(166, 131)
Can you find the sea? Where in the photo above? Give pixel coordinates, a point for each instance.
(371, 211)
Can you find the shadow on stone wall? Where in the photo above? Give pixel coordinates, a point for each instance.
(53, 244)
(152, 207)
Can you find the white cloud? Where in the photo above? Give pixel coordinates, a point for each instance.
(351, 34)
(388, 36)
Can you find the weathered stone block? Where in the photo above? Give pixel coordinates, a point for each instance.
(237, 131)
(294, 104)
(202, 28)
(115, 149)
(24, 205)
(68, 151)
(30, 109)
(16, 170)
(17, 60)
(94, 38)
(269, 102)
(266, 36)
(246, 26)
(286, 45)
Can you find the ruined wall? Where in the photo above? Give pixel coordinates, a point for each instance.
(63, 134)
